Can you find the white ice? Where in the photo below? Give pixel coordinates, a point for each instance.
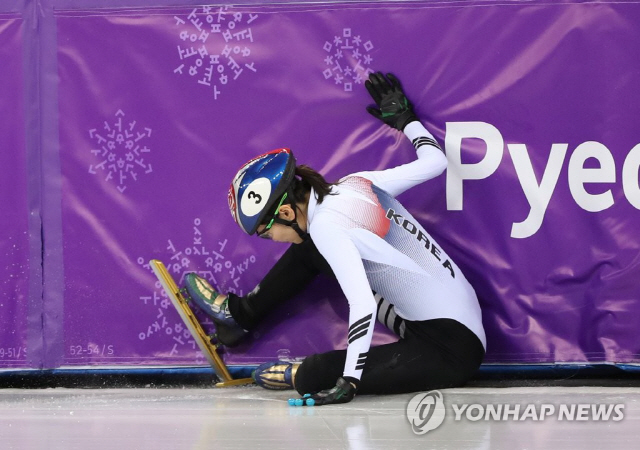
(253, 418)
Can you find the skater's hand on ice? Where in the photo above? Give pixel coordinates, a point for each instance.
(343, 392)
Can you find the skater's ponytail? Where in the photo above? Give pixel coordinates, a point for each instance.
(307, 178)
(304, 179)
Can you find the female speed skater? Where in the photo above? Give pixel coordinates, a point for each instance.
(387, 265)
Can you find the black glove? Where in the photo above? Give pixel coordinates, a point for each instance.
(395, 110)
(343, 392)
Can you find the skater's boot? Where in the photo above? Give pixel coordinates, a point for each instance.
(216, 306)
(278, 375)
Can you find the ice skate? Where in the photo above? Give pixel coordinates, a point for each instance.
(200, 336)
(276, 375)
(216, 306)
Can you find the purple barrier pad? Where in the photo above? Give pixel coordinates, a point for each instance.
(153, 125)
(14, 245)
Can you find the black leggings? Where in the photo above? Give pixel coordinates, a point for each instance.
(433, 354)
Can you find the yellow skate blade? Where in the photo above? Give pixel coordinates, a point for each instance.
(196, 330)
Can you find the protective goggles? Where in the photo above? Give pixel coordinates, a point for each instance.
(260, 234)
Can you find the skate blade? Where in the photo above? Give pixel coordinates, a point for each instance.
(191, 322)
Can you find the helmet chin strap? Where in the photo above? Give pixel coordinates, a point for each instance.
(293, 224)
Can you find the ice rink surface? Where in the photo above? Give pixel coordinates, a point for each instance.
(253, 418)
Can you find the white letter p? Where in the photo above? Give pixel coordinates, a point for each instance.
(456, 132)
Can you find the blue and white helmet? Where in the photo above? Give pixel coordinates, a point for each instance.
(258, 186)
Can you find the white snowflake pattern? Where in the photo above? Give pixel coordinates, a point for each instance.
(349, 59)
(216, 45)
(210, 264)
(122, 147)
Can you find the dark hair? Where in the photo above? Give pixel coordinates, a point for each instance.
(305, 178)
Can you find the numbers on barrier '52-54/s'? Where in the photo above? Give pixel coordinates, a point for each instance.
(92, 350)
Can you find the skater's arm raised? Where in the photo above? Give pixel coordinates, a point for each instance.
(396, 111)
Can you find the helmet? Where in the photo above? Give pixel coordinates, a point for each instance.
(258, 186)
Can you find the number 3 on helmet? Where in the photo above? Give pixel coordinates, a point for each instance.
(258, 186)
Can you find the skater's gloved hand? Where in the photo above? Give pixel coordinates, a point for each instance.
(343, 392)
(394, 107)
